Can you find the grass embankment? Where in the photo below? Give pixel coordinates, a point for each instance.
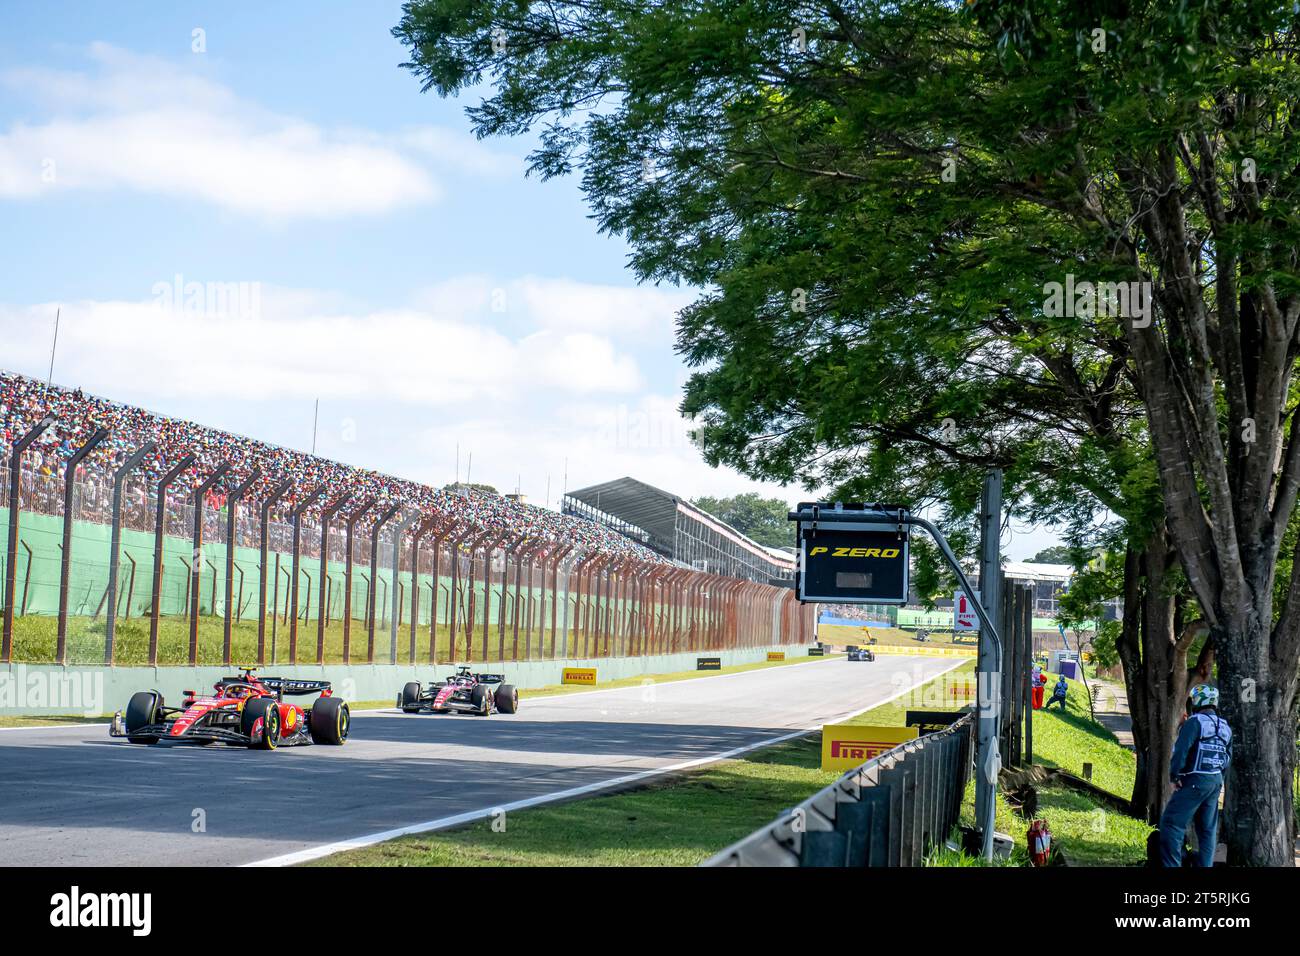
(36, 642)
(676, 821)
(1088, 832)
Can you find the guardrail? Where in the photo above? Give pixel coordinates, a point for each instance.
(889, 812)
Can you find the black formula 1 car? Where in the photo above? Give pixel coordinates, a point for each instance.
(463, 693)
(243, 711)
(861, 653)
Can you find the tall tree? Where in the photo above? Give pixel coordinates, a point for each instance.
(1001, 193)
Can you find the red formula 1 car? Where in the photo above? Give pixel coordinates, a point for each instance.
(463, 693)
(247, 711)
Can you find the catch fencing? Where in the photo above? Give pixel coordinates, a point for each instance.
(106, 567)
(891, 811)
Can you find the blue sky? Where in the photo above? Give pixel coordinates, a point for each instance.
(406, 275)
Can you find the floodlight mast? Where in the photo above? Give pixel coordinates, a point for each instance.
(986, 777)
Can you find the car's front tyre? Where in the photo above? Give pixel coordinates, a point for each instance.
(409, 698)
(269, 712)
(141, 712)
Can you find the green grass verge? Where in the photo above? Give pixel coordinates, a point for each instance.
(36, 642)
(1087, 832)
(675, 821)
(55, 721)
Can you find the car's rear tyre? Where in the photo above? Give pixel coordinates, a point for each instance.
(269, 712)
(409, 699)
(330, 721)
(481, 699)
(507, 699)
(141, 711)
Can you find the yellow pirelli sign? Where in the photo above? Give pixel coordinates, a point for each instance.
(845, 746)
(579, 675)
(776, 655)
(922, 651)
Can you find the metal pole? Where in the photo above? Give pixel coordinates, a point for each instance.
(115, 545)
(323, 609)
(989, 759)
(402, 527)
(196, 571)
(296, 562)
(160, 528)
(262, 571)
(372, 597)
(232, 515)
(347, 578)
(990, 519)
(65, 563)
(11, 551)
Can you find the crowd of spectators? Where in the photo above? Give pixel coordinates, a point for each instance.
(24, 402)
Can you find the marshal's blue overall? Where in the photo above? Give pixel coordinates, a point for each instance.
(1201, 754)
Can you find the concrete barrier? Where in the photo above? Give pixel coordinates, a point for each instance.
(48, 689)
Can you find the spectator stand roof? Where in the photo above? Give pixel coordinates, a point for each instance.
(660, 516)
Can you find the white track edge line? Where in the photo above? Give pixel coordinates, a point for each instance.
(469, 816)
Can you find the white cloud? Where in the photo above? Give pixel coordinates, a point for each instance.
(403, 355)
(406, 384)
(146, 125)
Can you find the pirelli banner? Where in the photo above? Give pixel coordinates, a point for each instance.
(842, 562)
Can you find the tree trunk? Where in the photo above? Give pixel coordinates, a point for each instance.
(1257, 697)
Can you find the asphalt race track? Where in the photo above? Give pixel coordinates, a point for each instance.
(73, 796)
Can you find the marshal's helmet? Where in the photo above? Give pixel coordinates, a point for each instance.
(1204, 695)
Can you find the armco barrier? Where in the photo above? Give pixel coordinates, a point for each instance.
(35, 689)
(889, 812)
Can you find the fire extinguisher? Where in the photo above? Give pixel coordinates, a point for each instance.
(1039, 841)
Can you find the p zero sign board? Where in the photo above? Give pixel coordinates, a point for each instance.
(849, 564)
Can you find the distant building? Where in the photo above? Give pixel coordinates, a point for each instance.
(672, 526)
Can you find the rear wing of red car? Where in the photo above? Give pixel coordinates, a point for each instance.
(294, 687)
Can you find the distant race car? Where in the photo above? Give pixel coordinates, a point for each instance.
(243, 711)
(463, 693)
(861, 654)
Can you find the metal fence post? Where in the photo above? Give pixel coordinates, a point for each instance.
(160, 528)
(322, 612)
(232, 516)
(264, 568)
(115, 545)
(11, 550)
(396, 597)
(421, 530)
(296, 563)
(65, 562)
(349, 524)
(373, 597)
(196, 571)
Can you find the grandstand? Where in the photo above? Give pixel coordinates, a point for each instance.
(674, 528)
(220, 541)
